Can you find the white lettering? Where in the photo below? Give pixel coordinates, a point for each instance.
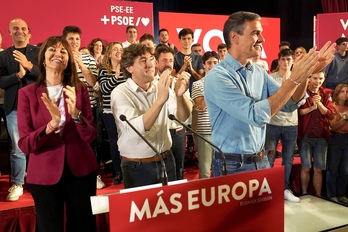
(212, 197)
(129, 9)
(135, 211)
(122, 20)
(160, 208)
(192, 201)
(253, 186)
(265, 187)
(240, 191)
(344, 24)
(210, 34)
(244, 192)
(176, 203)
(223, 191)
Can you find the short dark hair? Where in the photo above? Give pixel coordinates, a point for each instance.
(131, 26)
(71, 29)
(185, 31)
(284, 43)
(146, 37)
(196, 45)
(207, 55)
(236, 23)
(162, 29)
(341, 40)
(221, 46)
(162, 48)
(130, 54)
(285, 52)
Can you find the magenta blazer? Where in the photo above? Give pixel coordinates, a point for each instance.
(49, 153)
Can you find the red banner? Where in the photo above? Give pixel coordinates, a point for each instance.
(330, 27)
(208, 31)
(251, 201)
(107, 20)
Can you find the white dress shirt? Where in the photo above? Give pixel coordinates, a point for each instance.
(132, 101)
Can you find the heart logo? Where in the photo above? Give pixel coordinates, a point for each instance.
(145, 21)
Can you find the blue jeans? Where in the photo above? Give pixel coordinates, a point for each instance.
(316, 149)
(337, 165)
(288, 136)
(236, 166)
(110, 126)
(205, 152)
(137, 174)
(178, 150)
(18, 158)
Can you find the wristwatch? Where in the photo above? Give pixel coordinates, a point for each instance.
(79, 117)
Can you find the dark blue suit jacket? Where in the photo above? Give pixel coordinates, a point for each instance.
(8, 79)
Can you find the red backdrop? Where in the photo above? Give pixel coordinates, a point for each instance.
(208, 31)
(330, 27)
(46, 18)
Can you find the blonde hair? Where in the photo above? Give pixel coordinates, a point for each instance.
(106, 62)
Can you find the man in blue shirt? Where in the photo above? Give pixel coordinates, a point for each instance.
(241, 97)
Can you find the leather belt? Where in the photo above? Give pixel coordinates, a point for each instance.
(245, 158)
(154, 158)
(338, 134)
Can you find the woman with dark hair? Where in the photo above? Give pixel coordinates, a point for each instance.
(55, 124)
(97, 48)
(337, 157)
(109, 77)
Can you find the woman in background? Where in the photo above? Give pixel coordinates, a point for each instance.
(97, 48)
(299, 53)
(109, 77)
(337, 157)
(55, 123)
(205, 152)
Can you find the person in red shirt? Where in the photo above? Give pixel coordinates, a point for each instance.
(313, 131)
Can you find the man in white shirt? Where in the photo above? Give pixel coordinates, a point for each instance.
(165, 61)
(132, 34)
(145, 105)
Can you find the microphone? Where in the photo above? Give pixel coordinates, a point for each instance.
(224, 168)
(164, 170)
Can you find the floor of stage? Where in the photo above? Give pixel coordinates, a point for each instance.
(315, 214)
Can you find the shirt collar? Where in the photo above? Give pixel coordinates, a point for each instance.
(236, 65)
(136, 88)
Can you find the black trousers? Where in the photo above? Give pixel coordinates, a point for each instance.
(70, 193)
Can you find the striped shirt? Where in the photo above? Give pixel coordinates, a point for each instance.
(203, 122)
(107, 83)
(91, 65)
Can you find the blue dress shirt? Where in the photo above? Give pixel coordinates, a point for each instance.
(238, 106)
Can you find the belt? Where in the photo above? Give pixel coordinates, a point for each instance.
(174, 131)
(338, 134)
(154, 158)
(245, 158)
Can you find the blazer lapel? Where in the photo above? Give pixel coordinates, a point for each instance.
(39, 92)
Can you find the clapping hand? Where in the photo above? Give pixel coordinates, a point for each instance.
(52, 108)
(182, 83)
(70, 94)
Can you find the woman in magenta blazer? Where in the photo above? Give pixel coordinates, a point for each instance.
(55, 124)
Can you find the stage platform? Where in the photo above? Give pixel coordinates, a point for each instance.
(315, 214)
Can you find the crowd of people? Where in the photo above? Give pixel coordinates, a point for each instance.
(59, 97)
